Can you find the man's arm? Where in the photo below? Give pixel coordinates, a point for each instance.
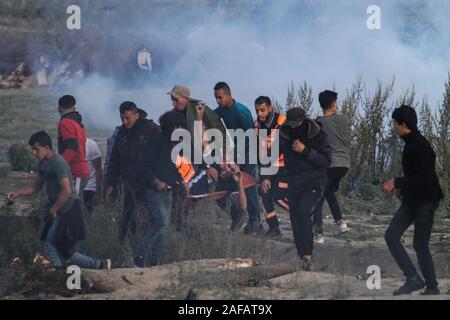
(146, 163)
(29, 189)
(247, 120)
(63, 196)
(321, 156)
(237, 176)
(423, 161)
(69, 140)
(113, 172)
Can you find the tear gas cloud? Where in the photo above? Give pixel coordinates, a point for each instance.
(262, 47)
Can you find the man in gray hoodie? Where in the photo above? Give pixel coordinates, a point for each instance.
(336, 127)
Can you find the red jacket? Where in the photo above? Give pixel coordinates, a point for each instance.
(72, 144)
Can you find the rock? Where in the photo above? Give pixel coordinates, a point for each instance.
(5, 168)
(238, 263)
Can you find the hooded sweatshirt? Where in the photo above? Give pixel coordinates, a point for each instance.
(307, 169)
(72, 144)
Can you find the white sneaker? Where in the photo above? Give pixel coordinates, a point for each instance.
(341, 228)
(319, 239)
(106, 264)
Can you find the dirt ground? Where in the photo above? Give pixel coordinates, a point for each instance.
(261, 269)
(203, 258)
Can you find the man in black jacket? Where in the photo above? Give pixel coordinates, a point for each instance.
(308, 155)
(136, 130)
(421, 193)
(160, 174)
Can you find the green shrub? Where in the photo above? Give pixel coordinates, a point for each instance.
(21, 158)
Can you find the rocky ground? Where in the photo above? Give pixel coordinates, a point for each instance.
(235, 266)
(204, 257)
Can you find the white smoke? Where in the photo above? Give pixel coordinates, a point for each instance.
(259, 51)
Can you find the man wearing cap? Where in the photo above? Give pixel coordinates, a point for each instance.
(308, 155)
(194, 110)
(180, 96)
(336, 127)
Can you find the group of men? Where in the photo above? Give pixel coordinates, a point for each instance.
(312, 159)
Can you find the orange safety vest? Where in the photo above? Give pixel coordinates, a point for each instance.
(270, 138)
(185, 169)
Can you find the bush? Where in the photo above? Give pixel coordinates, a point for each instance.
(21, 158)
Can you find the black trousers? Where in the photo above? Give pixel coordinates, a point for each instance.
(131, 203)
(302, 205)
(334, 176)
(423, 217)
(278, 193)
(88, 199)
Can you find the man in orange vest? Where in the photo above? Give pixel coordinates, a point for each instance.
(273, 187)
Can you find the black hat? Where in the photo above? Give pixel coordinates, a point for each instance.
(295, 117)
(326, 98)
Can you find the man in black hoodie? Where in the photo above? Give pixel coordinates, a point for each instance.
(136, 130)
(420, 193)
(160, 175)
(308, 155)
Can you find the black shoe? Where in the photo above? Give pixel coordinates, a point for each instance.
(431, 292)
(412, 284)
(253, 228)
(273, 232)
(139, 262)
(307, 265)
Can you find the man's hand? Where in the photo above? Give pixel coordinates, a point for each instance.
(298, 146)
(108, 193)
(266, 185)
(212, 174)
(185, 186)
(200, 110)
(53, 213)
(237, 175)
(159, 185)
(388, 186)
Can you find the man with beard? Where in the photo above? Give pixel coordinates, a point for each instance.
(273, 187)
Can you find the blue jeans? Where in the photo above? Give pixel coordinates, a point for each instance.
(158, 204)
(253, 207)
(77, 258)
